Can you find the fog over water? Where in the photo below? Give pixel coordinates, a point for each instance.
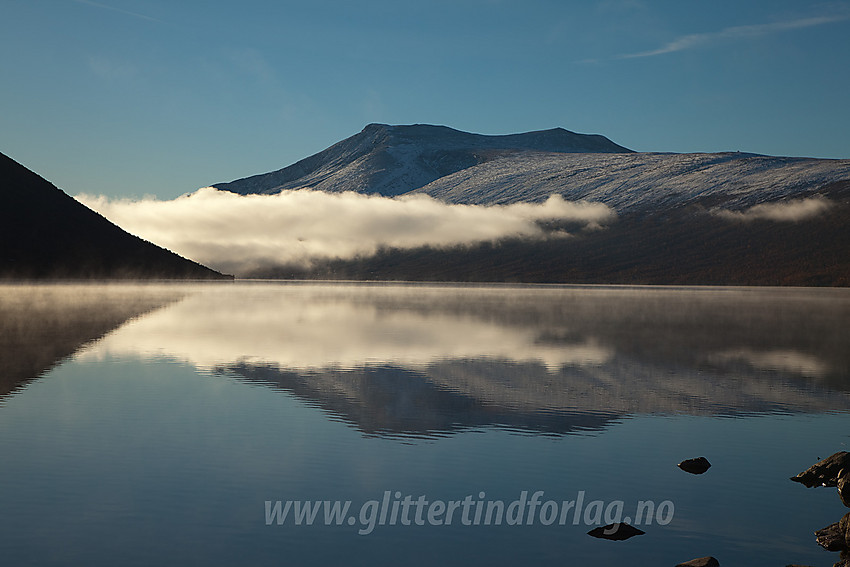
(611, 351)
(152, 423)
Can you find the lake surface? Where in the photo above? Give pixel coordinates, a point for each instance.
(181, 424)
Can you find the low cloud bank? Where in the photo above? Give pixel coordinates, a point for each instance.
(786, 211)
(242, 233)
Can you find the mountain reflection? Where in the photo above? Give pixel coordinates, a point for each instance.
(429, 360)
(42, 324)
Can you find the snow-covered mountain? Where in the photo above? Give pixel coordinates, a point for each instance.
(392, 160)
(641, 181)
(700, 218)
(459, 167)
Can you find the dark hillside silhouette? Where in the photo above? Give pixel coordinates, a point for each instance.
(46, 234)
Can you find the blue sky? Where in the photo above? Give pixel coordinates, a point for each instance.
(160, 97)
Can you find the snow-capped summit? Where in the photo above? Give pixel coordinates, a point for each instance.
(459, 167)
(677, 218)
(391, 160)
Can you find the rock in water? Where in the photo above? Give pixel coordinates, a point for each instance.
(616, 532)
(844, 526)
(695, 466)
(844, 486)
(825, 472)
(701, 562)
(830, 538)
(835, 537)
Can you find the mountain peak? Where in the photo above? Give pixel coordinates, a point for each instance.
(395, 159)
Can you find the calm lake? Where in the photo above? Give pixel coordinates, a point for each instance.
(265, 423)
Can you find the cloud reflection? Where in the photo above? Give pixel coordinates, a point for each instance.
(305, 328)
(425, 360)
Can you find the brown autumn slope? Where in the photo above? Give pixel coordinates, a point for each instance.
(682, 246)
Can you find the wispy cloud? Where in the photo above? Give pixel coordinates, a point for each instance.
(252, 63)
(111, 68)
(787, 211)
(118, 10)
(242, 233)
(692, 41)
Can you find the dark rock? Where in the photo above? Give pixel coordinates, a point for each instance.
(701, 562)
(830, 538)
(844, 527)
(616, 532)
(844, 486)
(695, 466)
(835, 537)
(824, 472)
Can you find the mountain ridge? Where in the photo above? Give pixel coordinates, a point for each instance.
(394, 159)
(466, 168)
